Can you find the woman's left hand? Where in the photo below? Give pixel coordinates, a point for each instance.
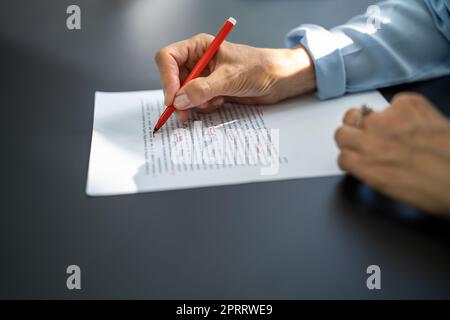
(403, 152)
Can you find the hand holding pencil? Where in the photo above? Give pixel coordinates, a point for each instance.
(236, 73)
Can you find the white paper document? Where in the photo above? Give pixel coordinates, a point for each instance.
(236, 144)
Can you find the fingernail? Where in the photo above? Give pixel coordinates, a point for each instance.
(181, 101)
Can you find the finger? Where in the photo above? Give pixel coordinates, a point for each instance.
(349, 160)
(377, 150)
(352, 162)
(169, 74)
(179, 55)
(409, 99)
(211, 105)
(202, 90)
(184, 72)
(355, 164)
(349, 137)
(351, 117)
(182, 115)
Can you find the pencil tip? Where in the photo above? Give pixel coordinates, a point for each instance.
(155, 130)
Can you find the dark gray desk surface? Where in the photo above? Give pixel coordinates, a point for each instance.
(308, 238)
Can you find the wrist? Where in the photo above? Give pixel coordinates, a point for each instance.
(294, 72)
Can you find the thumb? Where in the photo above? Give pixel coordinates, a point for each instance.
(200, 90)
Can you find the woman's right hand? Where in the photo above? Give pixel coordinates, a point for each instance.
(237, 73)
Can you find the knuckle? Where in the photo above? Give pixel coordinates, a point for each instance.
(156, 57)
(407, 100)
(384, 122)
(227, 71)
(345, 161)
(418, 99)
(376, 121)
(203, 88)
(200, 91)
(202, 36)
(348, 115)
(379, 120)
(338, 134)
(401, 98)
(160, 54)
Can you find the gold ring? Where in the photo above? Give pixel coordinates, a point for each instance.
(363, 111)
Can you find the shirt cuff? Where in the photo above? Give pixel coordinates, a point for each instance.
(326, 55)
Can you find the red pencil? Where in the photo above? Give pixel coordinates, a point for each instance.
(201, 64)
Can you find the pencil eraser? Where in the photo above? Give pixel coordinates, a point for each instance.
(232, 20)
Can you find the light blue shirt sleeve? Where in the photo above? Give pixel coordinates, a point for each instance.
(405, 41)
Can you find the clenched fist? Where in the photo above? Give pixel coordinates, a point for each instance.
(403, 151)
